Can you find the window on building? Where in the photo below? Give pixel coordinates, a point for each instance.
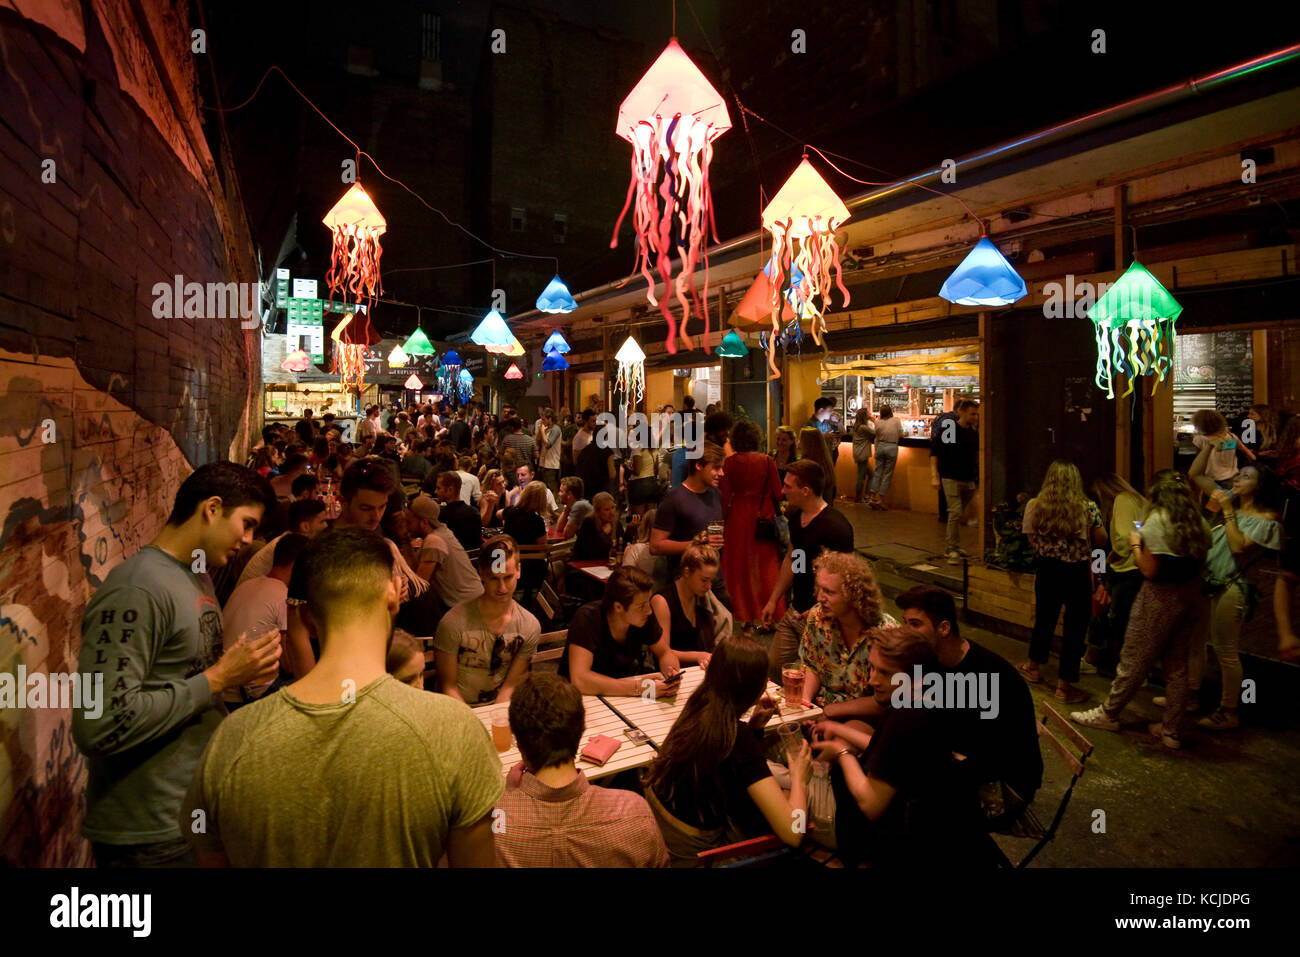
(430, 36)
(561, 227)
(517, 219)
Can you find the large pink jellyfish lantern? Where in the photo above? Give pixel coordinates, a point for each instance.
(356, 224)
(671, 118)
(802, 218)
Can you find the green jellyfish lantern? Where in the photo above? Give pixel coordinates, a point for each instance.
(1134, 323)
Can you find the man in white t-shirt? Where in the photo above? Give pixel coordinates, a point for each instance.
(524, 474)
(259, 605)
(470, 488)
(483, 647)
(586, 431)
(369, 427)
(443, 561)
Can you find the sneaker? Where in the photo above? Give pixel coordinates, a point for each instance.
(1171, 741)
(1095, 718)
(1087, 668)
(1220, 720)
(955, 557)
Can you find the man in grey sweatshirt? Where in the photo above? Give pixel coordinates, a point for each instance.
(153, 631)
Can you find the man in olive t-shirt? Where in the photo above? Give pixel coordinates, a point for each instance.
(347, 766)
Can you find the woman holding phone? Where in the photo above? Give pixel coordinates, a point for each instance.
(711, 785)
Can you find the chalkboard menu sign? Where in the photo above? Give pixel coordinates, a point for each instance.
(1234, 375)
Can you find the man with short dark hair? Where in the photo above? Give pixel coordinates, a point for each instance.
(259, 605)
(483, 646)
(576, 508)
(303, 488)
(458, 432)
(306, 427)
(554, 817)
(463, 520)
(293, 468)
(955, 467)
(815, 526)
(415, 463)
(408, 776)
(153, 634)
(522, 445)
(549, 446)
(689, 509)
(1001, 748)
(306, 518)
(824, 421)
(523, 475)
(586, 432)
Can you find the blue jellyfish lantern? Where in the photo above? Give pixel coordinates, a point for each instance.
(556, 343)
(984, 278)
(556, 298)
(554, 362)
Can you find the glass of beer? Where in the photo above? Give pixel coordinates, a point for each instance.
(501, 736)
(792, 685)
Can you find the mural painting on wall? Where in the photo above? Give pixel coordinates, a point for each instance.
(85, 476)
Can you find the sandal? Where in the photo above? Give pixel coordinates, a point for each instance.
(1033, 677)
(1073, 695)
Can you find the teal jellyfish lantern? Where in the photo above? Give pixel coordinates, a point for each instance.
(732, 347)
(556, 297)
(984, 278)
(1134, 325)
(464, 386)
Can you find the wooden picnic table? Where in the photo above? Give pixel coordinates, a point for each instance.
(600, 720)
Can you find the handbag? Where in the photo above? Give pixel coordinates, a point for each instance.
(765, 530)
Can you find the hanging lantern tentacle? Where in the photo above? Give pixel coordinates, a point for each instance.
(671, 118)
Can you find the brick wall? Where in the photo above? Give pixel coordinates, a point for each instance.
(104, 408)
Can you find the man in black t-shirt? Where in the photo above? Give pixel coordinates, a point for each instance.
(954, 467)
(463, 520)
(900, 798)
(688, 510)
(1002, 748)
(814, 527)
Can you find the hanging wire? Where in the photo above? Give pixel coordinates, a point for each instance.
(360, 153)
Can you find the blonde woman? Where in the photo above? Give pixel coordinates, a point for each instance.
(493, 503)
(1063, 525)
(637, 552)
(835, 646)
(1121, 507)
(686, 610)
(1171, 548)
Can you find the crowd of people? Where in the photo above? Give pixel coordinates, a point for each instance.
(270, 702)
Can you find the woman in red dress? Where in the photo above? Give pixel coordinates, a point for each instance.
(751, 496)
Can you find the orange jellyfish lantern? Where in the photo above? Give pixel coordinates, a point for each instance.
(356, 224)
(671, 118)
(802, 218)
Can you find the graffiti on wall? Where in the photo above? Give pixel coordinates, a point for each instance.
(85, 477)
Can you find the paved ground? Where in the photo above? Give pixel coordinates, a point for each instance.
(1227, 800)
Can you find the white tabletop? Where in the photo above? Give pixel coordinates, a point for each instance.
(656, 717)
(600, 720)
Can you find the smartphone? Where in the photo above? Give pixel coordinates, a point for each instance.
(636, 736)
(1137, 525)
(674, 679)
